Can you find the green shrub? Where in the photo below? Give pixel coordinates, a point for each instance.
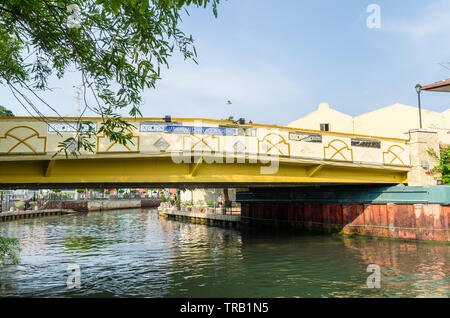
(444, 164)
(200, 203)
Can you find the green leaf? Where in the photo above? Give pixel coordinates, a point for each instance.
(117, 52)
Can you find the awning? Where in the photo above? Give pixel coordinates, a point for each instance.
(442, 86)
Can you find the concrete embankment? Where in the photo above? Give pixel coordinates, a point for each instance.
(9, 216)
(102, 205)
(411, 213)
(199, 217)
(67, 207)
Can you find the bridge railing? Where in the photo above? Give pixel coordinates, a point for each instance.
(21, 137)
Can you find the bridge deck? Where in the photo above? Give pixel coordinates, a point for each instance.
(197, 152)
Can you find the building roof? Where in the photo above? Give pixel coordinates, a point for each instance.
(398, 107)
(441, 86)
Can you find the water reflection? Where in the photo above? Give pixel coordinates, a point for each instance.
(134, 253)
(420, 270)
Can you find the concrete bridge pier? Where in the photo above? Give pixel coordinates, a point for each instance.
(421, 142)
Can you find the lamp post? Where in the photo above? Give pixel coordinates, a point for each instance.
(418, 90)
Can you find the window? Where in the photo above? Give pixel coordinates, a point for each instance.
(325, 127)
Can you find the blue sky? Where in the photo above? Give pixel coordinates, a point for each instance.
(277, 60)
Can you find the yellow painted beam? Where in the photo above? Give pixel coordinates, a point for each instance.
(314, 170)
(165, 171)
(195, 166)
(49, 168)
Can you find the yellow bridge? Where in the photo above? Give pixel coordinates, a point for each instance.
(196, 152)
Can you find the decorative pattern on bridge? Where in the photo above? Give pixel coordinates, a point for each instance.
(392, 156)
(274, 144)
(209, 143)
(338, 150)
(104, 145)
(228, 152)
(22, 140)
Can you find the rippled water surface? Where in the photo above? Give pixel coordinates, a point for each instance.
(133, 253)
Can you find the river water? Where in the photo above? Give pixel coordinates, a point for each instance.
(133, 253)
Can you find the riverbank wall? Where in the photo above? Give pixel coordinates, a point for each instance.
(412, 213)
(102, 205)
(10, 216)
(206, 217)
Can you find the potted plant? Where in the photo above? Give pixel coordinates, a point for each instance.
(211, 207)
(80, 191)
(164, 201)
(19, 205)
(188, 205)
(200, 206)
(33, 205)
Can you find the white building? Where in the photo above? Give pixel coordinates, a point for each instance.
(391, 121)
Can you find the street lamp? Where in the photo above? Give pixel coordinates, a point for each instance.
(418, 90)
